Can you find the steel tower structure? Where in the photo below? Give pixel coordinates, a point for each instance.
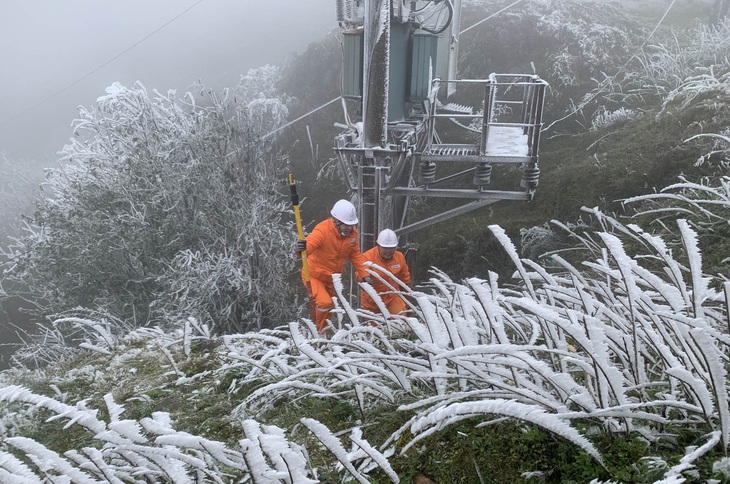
(405, 141)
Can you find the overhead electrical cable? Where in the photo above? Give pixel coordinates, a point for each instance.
(69, 86)
(491, 16)
(301, 117)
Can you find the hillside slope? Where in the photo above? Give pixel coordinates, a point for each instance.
(607, 361)
(601, 59)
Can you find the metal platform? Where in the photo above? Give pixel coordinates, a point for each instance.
(503, 129)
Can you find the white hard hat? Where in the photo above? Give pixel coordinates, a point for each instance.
(345, 212)
(387, 238)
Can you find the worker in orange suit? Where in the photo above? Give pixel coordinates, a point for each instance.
(329, 246)
(385, 255)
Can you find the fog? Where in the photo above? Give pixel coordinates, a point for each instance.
(58, 54)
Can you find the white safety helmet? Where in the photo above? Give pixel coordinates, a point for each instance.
(387, 239)
(345, 212)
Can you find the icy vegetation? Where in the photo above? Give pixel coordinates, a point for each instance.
(675, 72)
(604, 119)
(634, 338)
(162, 248)
(163, 208)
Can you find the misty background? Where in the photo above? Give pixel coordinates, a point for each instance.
(56, 55)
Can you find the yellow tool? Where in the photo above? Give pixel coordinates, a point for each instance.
(300, 233)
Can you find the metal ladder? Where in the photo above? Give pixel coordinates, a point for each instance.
(369, 187)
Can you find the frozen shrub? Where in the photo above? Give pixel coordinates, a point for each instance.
(604, 118)
(147, 179)
(719, 152)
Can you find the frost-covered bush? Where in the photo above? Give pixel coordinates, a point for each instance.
(154, 190)
(538, 241)
(705, 203)
(68, 337)
(588, 43)
(566, 42)
(719, 153)
(150, 449)
(632, 340)
(670, 68)
(604, 118)
(675, 68)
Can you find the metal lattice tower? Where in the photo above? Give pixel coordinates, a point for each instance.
(400, 61)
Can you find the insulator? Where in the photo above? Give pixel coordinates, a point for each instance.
(350, 9)
(530, 177)
(341, 10)
(345, 10)
(427, 172)
(482, 174)
(456, 108)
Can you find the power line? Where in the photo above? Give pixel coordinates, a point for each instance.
(491, 16)
(69, 86)
(239, 150)
(301, 117)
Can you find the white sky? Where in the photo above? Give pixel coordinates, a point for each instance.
(47, 47)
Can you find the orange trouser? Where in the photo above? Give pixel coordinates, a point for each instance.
(393, 302)
(323, 292)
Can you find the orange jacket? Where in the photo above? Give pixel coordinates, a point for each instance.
(327, 251)
(396, 265)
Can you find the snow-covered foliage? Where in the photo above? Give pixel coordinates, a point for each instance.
(542, 239)
(687, 66)
(81, 331)
(605, 119)
(574, 45)
(567, 42)
(633, 339)
(588, 42)
(706, 204)
(675, 69)
(719, 153)
(148, 450)
(124, 450)
(166, 208)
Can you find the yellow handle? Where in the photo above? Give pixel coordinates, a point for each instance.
(298, 218)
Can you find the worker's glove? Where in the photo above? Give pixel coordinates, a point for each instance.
(368, 279)
(300, 246)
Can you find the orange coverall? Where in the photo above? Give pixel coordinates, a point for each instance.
(327, 252)
(398, 267)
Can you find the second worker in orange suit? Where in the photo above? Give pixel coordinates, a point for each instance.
(385, 255)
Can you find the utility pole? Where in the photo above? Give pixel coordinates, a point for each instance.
(399, 68)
